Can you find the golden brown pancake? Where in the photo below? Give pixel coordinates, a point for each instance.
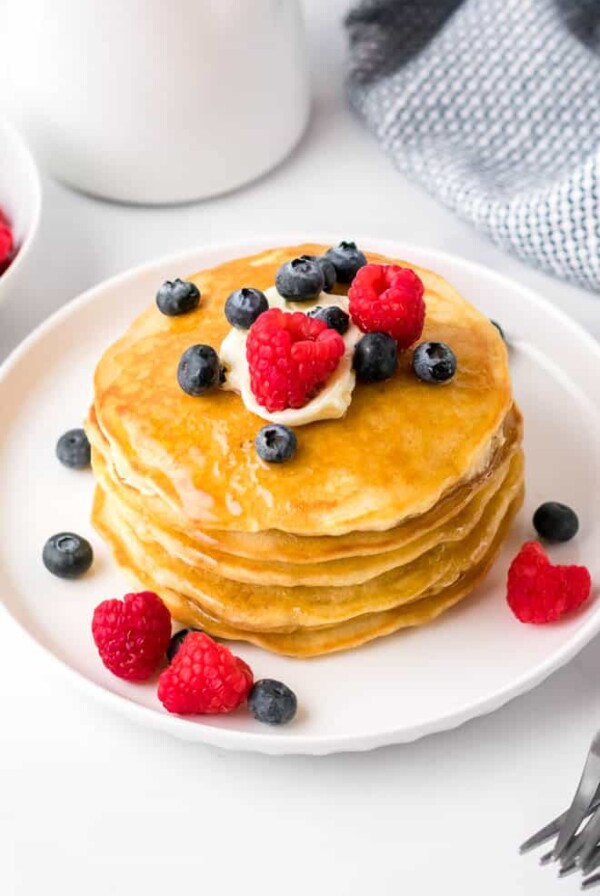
(401, 445)
(275, 545)
(277, 607)
(310, 642)
(346, 571)
(383, 519)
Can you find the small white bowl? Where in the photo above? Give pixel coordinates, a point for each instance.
(20, 199)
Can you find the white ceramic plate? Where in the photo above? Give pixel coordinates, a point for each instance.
(471, 661)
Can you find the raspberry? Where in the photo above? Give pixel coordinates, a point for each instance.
(6, 239)
(290, 357)
(388, 299)
(132, 635)
(538, 591)
(204, 677)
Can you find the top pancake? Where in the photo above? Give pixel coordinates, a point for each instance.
(401, 445)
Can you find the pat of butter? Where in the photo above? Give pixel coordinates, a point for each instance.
(334, 398)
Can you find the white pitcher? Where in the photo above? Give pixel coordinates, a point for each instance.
(156, 101)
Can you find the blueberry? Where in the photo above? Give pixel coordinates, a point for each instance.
(272, 702)
(375, 357)
(177, 640)
(499, 328)
(198, 369)
(347, 259)
(300, 280)
(327, 269)
(177, 297)
(244, 306)
(73, 449)
(334, 316)
(276, 443)
(434, 362)
(555, 522)
(67, 555)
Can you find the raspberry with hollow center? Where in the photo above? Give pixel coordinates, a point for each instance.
(290, 358)
(132, 635)
(388, 299)
(538, 591)
(204, 677)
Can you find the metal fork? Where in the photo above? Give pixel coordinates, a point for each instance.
(576, 847)
(551, 830)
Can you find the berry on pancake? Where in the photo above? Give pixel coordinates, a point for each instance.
(177, 297)
(290, 358)
(347, 260)
(388, 299)
(300, 280)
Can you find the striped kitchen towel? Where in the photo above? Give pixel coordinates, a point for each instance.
(494, 107)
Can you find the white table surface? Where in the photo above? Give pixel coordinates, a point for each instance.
(91, 804)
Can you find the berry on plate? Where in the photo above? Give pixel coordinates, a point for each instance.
(327, 269)
(204, 677)
(388, 299)
(177, 640)
(375, 357)
(198, 370)
(177, 297)
(434, 362)
(300, 280)
(244, 306)
(73, 449)
(272, 702)
(347, 259)
(538, 591)
(290, 358)
(334, 316)
(499, 328)
(67, 555)
(555, 521)
(276, 443)
(132, 635)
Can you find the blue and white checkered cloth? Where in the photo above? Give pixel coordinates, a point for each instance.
(494, 107)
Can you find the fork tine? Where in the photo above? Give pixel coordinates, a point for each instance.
(584, 795)
(592, 863)
(575, 816)
(544, 834)
(565, 870)
(572, 851)
(590, 882)
(547, 858)
(590, 838)
(589, 842)
(552, 828)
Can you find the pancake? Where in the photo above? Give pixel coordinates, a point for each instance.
(312, 642)
(383, 519)
(275, 607)
(198, 454)
(346, 571)
(275, 545)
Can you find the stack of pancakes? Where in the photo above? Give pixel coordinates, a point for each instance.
(383, 519)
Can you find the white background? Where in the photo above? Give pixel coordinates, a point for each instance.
(91, 804)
